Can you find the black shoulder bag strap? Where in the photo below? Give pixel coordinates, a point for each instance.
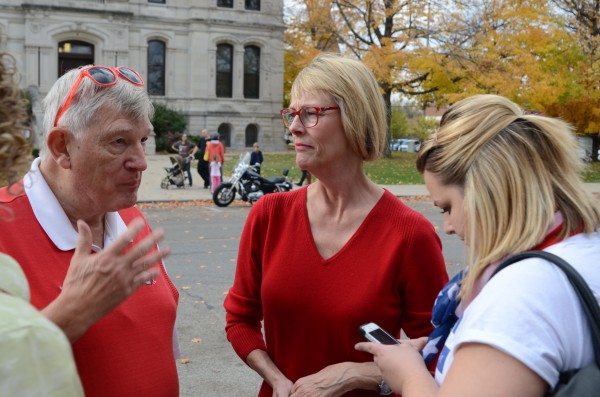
(585, 294)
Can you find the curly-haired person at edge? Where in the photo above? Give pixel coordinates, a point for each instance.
(347, 252)
(91, 260)
(35, 356)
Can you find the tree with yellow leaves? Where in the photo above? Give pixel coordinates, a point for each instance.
(381, 33)
(543, 55)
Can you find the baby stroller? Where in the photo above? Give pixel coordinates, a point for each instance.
(176, 175)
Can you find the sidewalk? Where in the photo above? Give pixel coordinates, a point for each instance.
(150, 190)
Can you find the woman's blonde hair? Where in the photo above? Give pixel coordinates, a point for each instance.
(355, 90)
(15, 150)
(516, 170)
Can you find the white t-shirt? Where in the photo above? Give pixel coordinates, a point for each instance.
(530, 311)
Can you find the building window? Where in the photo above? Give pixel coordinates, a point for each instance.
(225, 134)
(251, 134)
(73, 54)
(157, 1)
(156, 67)
(251, 71)
(253, 5)
(224, 70)
(225, 3)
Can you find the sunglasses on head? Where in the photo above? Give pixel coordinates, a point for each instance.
(102, 76)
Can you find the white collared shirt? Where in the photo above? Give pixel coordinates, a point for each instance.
(53, 218)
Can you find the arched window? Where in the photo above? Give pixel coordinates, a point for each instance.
(253, 5)
(156, 67)
(72, 54)
(251, 71)
(224, 70)
(225, 3)
(225, 132)
(251, 134)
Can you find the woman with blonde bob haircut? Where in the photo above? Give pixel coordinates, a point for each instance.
(507, 182)
(361, 104)
(316, 263)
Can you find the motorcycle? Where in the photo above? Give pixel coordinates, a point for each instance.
(249, 185)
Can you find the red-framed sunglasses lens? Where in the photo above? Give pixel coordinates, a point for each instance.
(102, 76)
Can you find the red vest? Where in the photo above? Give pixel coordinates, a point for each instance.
(127, 353)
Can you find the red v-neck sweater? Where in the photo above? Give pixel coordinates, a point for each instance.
(127, 353)
(389, 272)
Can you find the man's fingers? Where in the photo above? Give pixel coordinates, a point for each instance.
(145, 246)
(144, 277)
(151, 259)
(124, 240)
(84, 238)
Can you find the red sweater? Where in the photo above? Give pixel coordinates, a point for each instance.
(389, 272)
(127, 353)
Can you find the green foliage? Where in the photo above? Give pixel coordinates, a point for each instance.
(398, 124)
(592, 172)
(168, 126)
(165, 140)
(421, 127)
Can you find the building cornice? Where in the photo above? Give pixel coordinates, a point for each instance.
(46, 7)
(223, 22)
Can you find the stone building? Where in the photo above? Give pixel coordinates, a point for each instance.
(219, 62)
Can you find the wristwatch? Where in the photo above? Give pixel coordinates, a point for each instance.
(384, 389)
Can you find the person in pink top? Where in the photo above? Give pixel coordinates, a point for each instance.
(316, 263)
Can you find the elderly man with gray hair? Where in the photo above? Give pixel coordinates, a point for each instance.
(118, 306)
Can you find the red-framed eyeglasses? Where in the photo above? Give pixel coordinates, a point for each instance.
(103, 76)
(309, 115)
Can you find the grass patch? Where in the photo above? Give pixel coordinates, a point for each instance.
(592, 172)
(398, 170)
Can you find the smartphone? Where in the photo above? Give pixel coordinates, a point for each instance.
(374, 333)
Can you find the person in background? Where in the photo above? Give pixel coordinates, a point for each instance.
(256, 157)
(202, 162)
(187, 150)
(35, 356)
(90, 258)
(215, 173)
(506, 182)
(216, 148)
(347, 252)
(305, 175)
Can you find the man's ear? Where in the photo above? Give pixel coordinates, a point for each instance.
(58, 146)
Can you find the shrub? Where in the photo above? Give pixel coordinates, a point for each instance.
(166, 121)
